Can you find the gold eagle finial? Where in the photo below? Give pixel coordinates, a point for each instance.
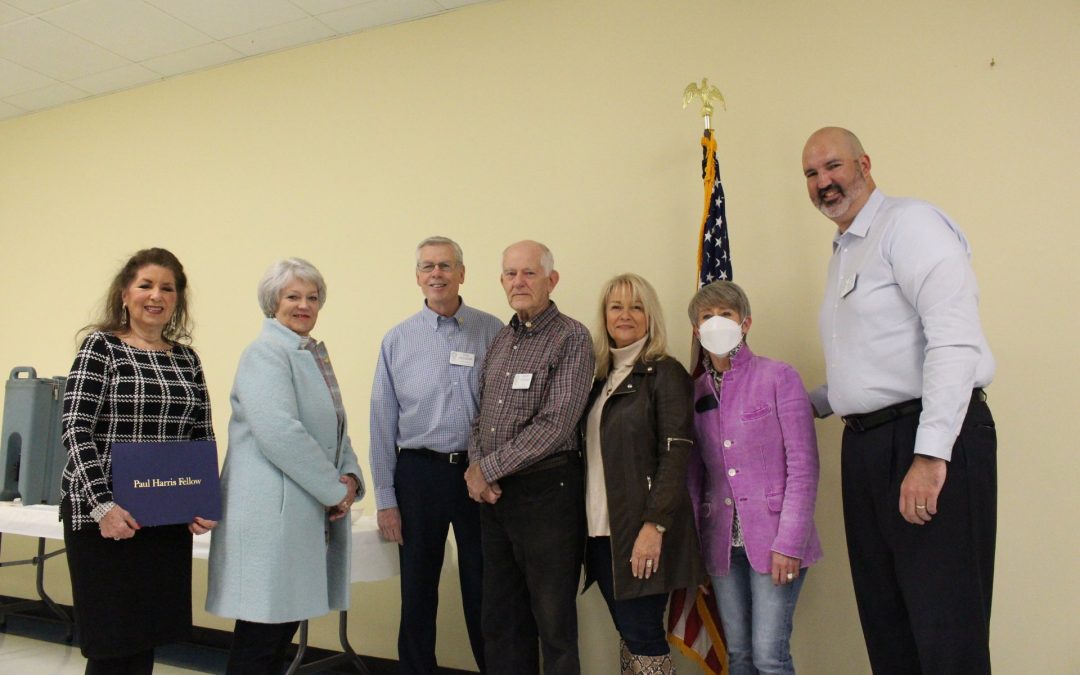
(707, 93)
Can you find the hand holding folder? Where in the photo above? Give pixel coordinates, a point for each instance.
(168, 482)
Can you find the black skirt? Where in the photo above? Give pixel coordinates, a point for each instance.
(129, 595)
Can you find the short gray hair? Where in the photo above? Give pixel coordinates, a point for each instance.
(279, 274)
(547, 258)
(459, 257)
(727, 294)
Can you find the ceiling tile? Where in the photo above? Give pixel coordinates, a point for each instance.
(9, 13)
(40, 46)
(378, 13)
(281, 37)
(14, 79)
(196, 58)
(116, 79)
(38, 6)
(130, 28)
(324, 6)
(7, 110)
(228, 19)
(46, 97)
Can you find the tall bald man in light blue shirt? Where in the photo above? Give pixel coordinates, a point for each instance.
(906, 364)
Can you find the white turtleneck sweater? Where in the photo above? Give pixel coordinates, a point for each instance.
(596, 508)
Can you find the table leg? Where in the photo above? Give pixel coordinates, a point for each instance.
(39, 561)
(39, 579)
(348, 655)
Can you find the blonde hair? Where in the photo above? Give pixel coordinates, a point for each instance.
(656, 336)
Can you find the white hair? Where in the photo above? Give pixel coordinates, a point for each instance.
(547, 258)
(279, 274)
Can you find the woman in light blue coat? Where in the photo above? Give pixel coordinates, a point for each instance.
(281, 551)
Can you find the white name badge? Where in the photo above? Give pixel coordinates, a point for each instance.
(462, 359)
(522, 381)
(849, 285)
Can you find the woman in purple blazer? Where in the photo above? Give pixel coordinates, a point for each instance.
(753, 478)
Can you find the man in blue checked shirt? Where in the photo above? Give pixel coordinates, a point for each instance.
(423, 402)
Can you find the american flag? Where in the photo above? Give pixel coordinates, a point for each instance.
(714, 251)
(693, 621)
(694, 627)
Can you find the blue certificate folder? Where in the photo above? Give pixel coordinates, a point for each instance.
(167, 482)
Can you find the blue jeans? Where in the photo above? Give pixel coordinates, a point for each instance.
(756, 615)
(640, 620)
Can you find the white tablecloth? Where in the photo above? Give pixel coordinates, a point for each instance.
(372, 558)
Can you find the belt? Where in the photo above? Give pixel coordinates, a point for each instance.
(872, 420)
(549, 463)
(449, 457)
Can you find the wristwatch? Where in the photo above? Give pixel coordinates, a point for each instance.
(659, 528)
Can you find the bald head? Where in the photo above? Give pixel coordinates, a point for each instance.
(528, 246)
(528, 277)
(837, 172)
(838, 136)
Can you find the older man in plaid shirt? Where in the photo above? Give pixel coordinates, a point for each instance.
(525, 465)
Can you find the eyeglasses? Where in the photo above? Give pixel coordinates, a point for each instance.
(429, 267)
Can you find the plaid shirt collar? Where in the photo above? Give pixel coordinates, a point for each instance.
(537, 324)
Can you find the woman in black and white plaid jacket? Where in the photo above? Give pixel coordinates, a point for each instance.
(132, 381)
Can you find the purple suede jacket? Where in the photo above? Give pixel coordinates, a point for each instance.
(756, 449)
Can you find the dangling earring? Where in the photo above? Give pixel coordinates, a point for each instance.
(124, 316)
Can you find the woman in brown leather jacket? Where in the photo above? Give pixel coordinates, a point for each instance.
(638, 434)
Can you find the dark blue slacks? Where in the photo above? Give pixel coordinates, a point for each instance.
(431, 496)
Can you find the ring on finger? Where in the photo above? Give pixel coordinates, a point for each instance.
(790, 576)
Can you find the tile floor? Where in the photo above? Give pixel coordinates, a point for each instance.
(33, 647)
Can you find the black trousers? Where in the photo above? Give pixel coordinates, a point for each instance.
(432, 496)
(923, 592)
(137, 664)
(259, 648)
(533, 540)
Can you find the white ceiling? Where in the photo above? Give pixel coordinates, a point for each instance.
(54, 52)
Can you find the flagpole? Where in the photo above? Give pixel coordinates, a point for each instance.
(693, 622)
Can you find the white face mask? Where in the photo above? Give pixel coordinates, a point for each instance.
(719, 335)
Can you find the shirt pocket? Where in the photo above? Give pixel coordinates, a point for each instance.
(529, 400)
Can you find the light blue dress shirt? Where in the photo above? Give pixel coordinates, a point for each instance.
(900, 320)
(424, 395)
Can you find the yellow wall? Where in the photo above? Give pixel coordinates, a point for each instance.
(559, 120)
